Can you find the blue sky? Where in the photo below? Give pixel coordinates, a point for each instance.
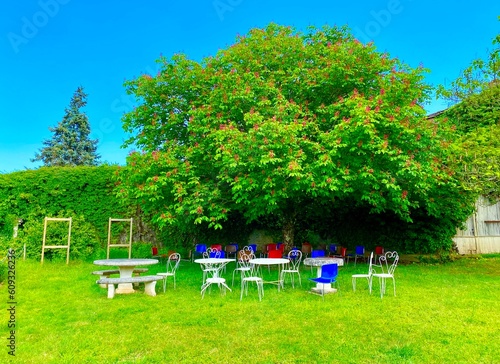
(50, 47)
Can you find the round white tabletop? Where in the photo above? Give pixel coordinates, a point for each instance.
(213, 260)
(316, 262)
(125, 262)
(269, 261)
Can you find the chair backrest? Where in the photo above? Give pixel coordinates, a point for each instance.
(306, 248)
(253, 269)
(295, 257)
(270, 247)
(370, 264)
(212, 253)
(231, 248)
(275, 254)
(253, 247)
(379, 250)
(243, 253)
(200, 248)
(173, 262)
(216, 246)
(360, 250)
(343, 252)
(244, 257)
(332, 248)
(329, 271)
(385, 259)
(317, 253)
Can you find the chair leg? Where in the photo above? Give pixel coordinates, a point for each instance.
(382, 286)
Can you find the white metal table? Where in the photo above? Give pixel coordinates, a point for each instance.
(272, 261)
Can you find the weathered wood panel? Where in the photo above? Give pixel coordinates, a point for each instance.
(478, 245)
(481, 234)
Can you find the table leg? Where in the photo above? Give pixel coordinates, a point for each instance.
(125, 272)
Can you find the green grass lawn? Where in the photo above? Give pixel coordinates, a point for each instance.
(442, 314)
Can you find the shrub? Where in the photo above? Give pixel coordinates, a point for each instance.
(84, 243)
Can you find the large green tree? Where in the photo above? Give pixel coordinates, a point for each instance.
(70, 144)
(476, 117)
(282, 124)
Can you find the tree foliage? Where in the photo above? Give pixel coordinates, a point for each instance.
(70, 144)
(475, 152)
(281, 124)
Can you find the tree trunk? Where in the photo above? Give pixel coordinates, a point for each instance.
(288, 233)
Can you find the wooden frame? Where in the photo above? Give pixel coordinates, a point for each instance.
(129, 245)
(67, 246)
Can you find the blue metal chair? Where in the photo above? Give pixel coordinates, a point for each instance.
(359, 252)
(329, 274)
(216, 254)
(332, 249)
(199, 249)
(317, 253)
(253, 247)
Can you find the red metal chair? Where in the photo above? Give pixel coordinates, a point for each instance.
(379, 251)
(275, 254)
(270, 247)
(343, 254)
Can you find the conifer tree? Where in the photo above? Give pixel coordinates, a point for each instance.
(70, 144)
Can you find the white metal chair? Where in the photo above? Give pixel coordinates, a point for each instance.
(243, 262)
(387, 271)
(295, 257)
(213, 277)
(209, 253)
(252, 276)
(172, 265)
(368, 275)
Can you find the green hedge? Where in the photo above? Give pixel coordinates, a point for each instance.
(83, 193)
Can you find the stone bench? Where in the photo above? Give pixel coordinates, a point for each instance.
(149, 283)
(108, 272)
